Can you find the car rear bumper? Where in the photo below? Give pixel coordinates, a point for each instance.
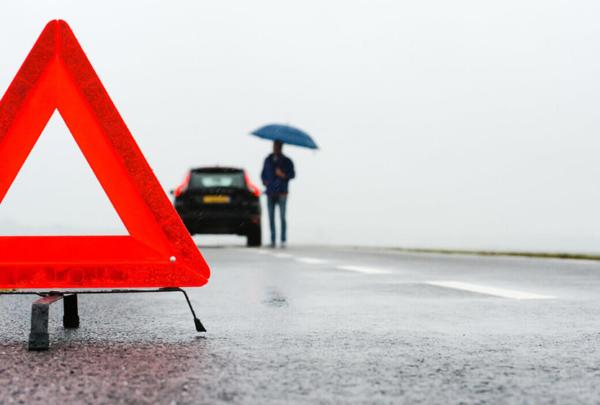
(219, 223)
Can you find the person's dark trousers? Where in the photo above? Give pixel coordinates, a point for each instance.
(272, 201)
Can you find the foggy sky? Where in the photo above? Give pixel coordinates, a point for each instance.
(463, 124)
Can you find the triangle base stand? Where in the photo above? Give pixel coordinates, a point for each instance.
(39, 338)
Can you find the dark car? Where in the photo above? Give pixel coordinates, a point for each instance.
(220, 200)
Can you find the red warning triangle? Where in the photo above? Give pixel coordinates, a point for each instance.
(158, 252)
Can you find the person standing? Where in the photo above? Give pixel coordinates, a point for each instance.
(277, 171)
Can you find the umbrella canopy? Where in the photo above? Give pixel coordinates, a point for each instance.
(285, 134)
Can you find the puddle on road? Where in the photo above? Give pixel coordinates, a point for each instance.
(275, 299)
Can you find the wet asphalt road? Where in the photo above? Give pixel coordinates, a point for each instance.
(325, 325)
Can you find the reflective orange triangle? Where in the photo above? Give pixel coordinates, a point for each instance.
(158, 252)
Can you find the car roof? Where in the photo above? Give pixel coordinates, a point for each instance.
(217, 169)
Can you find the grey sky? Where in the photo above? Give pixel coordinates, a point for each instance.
(455, 124)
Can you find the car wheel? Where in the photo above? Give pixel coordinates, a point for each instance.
(254, 237)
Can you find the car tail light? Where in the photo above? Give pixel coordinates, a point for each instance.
(251, 186)
(183, 186)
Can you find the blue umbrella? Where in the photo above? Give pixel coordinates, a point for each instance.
(285, 134)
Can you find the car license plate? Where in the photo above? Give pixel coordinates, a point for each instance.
(216, 199)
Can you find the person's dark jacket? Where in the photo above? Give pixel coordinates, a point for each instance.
(277, 185)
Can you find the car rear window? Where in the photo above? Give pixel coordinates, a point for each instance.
(200, 180)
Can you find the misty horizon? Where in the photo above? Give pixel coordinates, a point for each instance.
(463, 125)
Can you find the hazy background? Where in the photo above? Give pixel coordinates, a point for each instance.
(467, 124)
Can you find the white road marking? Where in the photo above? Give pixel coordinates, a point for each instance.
(362, 269)
(310, 260)
(282, 255)
(498, 292)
